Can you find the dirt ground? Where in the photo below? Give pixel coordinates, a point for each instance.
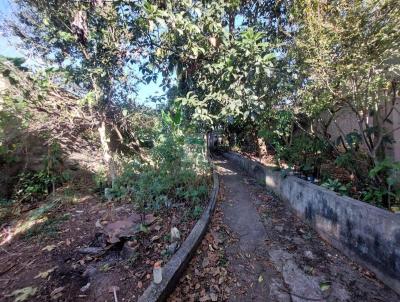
(207, 277)
(267, 254)
(47, 260)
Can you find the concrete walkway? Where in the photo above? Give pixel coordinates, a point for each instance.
(277, 257)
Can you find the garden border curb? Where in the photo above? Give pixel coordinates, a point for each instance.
(173, 270)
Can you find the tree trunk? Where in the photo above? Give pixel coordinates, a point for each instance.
(262, 148)
(107, 153)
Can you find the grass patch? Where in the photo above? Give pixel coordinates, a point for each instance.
(48, 228)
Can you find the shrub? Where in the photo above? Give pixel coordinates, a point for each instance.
(176, 172)
(306, 153)
(337, 186)
(34, 185)
(384, 190)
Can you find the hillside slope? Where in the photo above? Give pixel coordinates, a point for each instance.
(38, 121)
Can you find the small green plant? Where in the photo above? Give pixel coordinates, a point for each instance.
(194, 193)
(197, 211)
(375, 196)
(33, 186)
(223, 259)
(336, 186)
(100, 180)
(278, 132)
(133, 258)
(384, 177)
(355, 162)
(53, 165)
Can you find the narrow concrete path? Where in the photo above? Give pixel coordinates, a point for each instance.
(277, 257)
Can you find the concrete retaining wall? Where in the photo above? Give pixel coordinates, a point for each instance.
(368, 235)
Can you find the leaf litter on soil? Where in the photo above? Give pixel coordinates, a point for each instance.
(207, 277)
(58, 270)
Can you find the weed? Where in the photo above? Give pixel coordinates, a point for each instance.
(133, 258)
(49, 228)
(306, 153)
(337, 186)
(33, 186)
(223, 259)
(167, 238)
(178, 173)
(374, 195)
(197, 211)
(100, 180)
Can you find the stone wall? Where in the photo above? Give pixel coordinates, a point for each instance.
(366, 234)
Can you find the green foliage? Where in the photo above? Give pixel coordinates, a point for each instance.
(306, 153)
(197, 211)
(345, 160)
(99, 46)
(32, 186)
(353, 139)
(375, 195)
(341, 30)
(20, 102)
(100, 180)
(94, 42)
(279, 131)
(174, 179)
(279, 63)
(178, 171)
(386, 167)
(14, 118)
(220, 74)
(385, 177)
(350, 161)
(348, 57)
(17, 62)
(337, 186)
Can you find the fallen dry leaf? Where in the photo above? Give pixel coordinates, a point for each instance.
(23, 294)
(45, 274)
(204, 298)
(49, 248)
(57, 293)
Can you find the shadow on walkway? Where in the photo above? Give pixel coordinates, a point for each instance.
(278, 257)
